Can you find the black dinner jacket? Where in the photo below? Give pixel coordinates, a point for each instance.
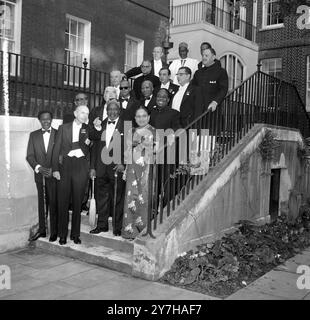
(137, 70)
(165, 118)
(63, 143)
(36, 154)
(191, 106)
(173, 89)
(128, 114)
(151, 104)
(99, 144)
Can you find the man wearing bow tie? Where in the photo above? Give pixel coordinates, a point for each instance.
(188, 99)
(148, 98)
(39, 156)
(128, 102)
(71, 168)
(106, 160)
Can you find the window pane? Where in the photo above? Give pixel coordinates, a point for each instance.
(80, 47)
(72, 43)
(81, 29)
(73, 29)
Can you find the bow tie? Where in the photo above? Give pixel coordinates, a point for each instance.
(46, 131)
(125, 100)
(111, 122)
(146, 99)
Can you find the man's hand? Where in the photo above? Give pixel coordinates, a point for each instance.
(97, 123)
(212, 106)
(46, 172)
(119, 168)
(56, 175)
(92, 174)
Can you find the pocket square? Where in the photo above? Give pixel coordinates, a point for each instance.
(83, 131)
(212, 82)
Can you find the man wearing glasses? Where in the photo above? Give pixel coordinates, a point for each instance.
(188, 99)
(146, 68)
(127, 101)
(81, 99)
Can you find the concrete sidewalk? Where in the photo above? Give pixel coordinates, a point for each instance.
(38, 275)
(278, 284)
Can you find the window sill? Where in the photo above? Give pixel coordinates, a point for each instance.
(272, 27)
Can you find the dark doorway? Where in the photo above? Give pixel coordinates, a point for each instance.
(274, 194)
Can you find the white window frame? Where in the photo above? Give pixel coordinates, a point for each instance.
(237, 59)
(17, 24)
(265, 14)
(87, 46)
(140, 51)
(275, 60)
(308, 85)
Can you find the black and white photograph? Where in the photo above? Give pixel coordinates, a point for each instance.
(155, 152)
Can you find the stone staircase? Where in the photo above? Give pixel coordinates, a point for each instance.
(104, 249)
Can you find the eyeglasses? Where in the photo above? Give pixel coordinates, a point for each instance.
(146, 66)
(181, 74)
(123, 88)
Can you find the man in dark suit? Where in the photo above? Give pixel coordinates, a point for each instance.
(146, 68)
(81, 99)
(212, 79)
(39, 156)
(128, 102)
(157, 63)
(71, 169)
(148, 99)
(188, 100)
(166, 83)
(106, 161)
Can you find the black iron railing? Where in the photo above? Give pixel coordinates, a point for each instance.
(260, 99)
(202, 11)
(36, 84)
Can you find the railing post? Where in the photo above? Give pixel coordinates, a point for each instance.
(257, 107)
(85, 63)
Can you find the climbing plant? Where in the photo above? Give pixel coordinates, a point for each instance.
(268, 146)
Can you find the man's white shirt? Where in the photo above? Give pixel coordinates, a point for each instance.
(104, 115)
(177, 64)
(46, 140)
(177, 99)
(78, 153)
(165, 86)
(147, 101)
(158, 64)
(110, 131)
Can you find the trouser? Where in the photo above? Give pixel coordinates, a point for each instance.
(73, 180)
(105, 196)
(51, 201)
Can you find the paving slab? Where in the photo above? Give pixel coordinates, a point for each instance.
(10, 259)
(91, 278)
(62, 271)
(307, 297)
(47, 262)
(47, 292)
(246, 294)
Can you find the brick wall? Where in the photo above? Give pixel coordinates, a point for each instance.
(288, 43)
(43, 28)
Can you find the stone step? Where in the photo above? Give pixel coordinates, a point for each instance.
(94, 254)
(105, 239)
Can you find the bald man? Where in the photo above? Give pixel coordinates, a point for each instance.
(70, 166)
(156, 63)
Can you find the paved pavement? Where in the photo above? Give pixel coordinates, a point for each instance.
(278, 284)
(38, 275)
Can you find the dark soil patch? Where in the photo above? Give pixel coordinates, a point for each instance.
(232, 263)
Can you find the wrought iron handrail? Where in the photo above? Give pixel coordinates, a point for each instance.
(259, 99)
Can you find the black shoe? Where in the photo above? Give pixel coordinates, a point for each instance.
(37, 236)
(77, 240)
(98, 230)
(117, 233)
(53, 238)
(62, 241)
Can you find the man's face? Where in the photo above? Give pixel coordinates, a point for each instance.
(113, 111)
(183, 51)
(124, 89)
(157, 53)
(162, 99)
(81, 114)
(146, 68)
(207, 58)
(183, 77)
(164, 76)
(147, 89)
(203, 48)
(115, 77)
(46, 121)
(81, 99)
(109, 95)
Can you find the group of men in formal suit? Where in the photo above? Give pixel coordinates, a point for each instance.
(64, 161)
